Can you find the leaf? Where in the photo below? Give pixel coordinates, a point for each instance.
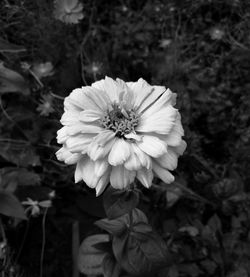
(117, 203)
(90, 259)
(173, 194)
(13, 177)
(20, 155)
(11, 81)
(215, 224)
(191, 230)
(6, 46)
(119, 225)
(114, 227)
(141, 253)
(10, 205)
(110, 267)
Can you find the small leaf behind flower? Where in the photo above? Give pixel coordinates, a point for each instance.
(10, 205)
(117, 203)
(11, 81)
(90, 258)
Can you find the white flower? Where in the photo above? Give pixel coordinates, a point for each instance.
(35, 206)
(115, 132)
(68, 11)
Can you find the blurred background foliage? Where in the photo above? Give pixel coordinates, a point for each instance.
(199, 49)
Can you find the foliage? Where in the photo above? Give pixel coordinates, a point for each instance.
(199, 225)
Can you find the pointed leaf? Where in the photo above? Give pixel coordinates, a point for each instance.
(6, 46)
(11, 81)
(10, 205)
(90, 259)
(114, 227)
(110, 267)
(117, 203)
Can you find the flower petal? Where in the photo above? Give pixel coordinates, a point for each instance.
(145, 176)
(168, 160)
(160, 122)
(163, 173)
(119, 153)
(89, 116)
(133, 162)
(79, 143)
(144, 159)
(85, 168)
(70, 118)
(174, 137)
(62, 135)
(83, 128)
(102, 183)
(152, 146)
(121, 177)
(66, 156)
(100, 146)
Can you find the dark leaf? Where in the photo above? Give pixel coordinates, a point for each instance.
(10, 205)
(11, 81)
(141, 253)
(6, 46)
(118, 203)
(90, 259)
(110, 267)
(114, 227)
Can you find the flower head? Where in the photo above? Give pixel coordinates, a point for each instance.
(68, 11)
(46, 105)
(115, 132)
(42, 70)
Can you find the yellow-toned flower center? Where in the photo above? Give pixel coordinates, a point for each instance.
(120, 121)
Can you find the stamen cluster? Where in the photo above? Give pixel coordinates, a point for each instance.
(120, 121)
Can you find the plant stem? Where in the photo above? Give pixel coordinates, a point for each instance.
(43, 242)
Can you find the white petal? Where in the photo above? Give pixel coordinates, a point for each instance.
(97, 97)
(89, 115)
(120, 177)
(102, 183)
(100, 167)
(174, 137)
(83, 128)
(141, 90)
(97, 151)
(161, 121)
(126, 96)
(70, 118)
(79, 143)
(86, 170)
(62, 135)
(133, 162)
(168, 160)
(163, 101)
(163, 173)
(66, 156)
(181, 147)
(119, 153)
(77, 100)
(133, 136)
(145, 176)
(105, 136)
(152, 146)
(144, 159)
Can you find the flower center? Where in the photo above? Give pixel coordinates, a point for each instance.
(120, 121)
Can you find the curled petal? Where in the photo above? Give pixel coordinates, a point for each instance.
(66, 156)
(119, 153)
(161, 121)
(152, 146)
(120, 177)
(163, 173)
(168, 160)
(145, 176)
